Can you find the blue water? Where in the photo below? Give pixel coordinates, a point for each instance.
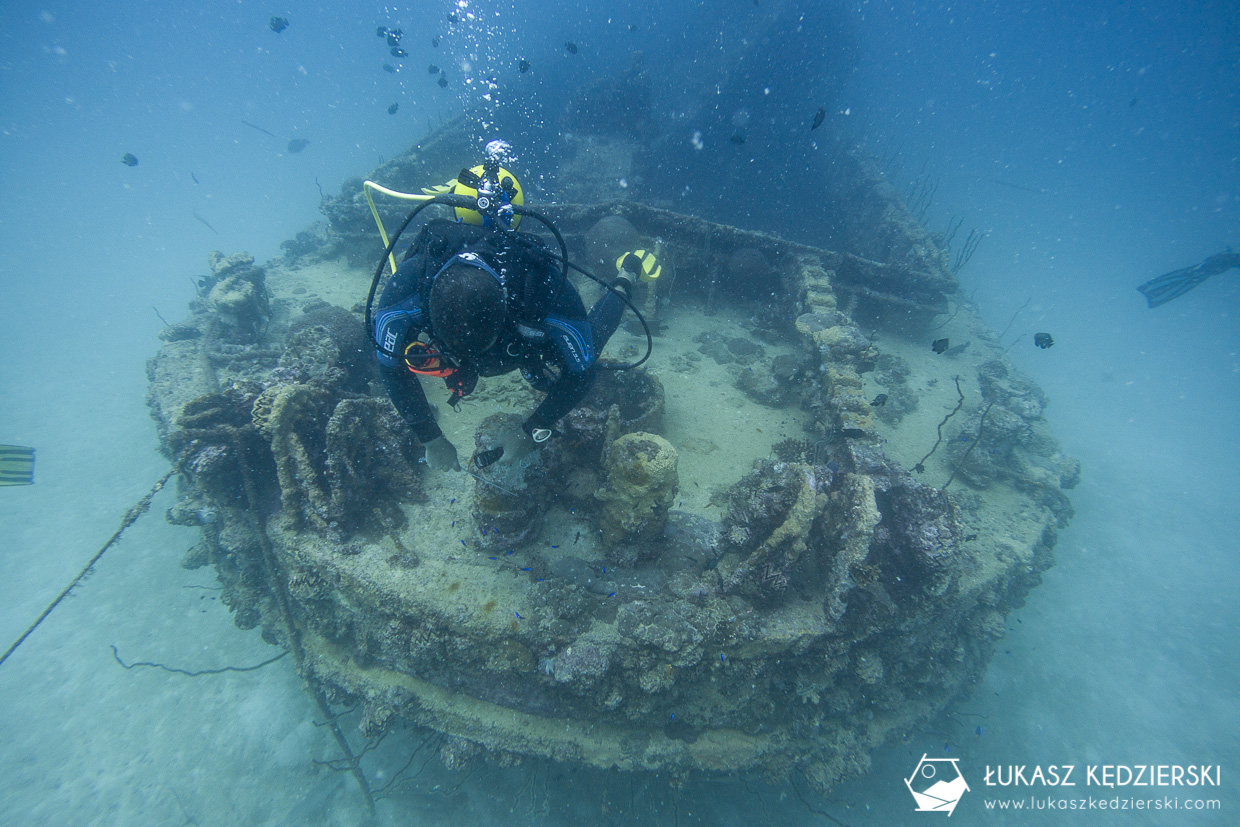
(1096, 145)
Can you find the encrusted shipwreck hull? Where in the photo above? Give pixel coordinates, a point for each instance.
(574, 608)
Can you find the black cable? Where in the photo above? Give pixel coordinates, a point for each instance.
(564, 279)
(636, 312)
(374, 283)
(131, 516)
(193, 673)
(559, 238)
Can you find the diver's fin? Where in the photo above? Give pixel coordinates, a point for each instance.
(1173, 285)
(16, 465)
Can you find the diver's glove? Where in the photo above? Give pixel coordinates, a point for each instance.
(441, 454)
(516, 444)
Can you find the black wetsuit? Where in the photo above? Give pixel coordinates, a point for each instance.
(547, 333)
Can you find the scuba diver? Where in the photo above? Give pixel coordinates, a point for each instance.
(476, 298)
(1178, 282)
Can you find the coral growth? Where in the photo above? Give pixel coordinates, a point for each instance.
(239, 296)
(326, 346)
(294, 419)
(619, 402)
(371, 464)
(641, 485)
(768, 526)
(507, 496)
(1015, 442)
(893, 372)
(842, 350)
(309, 245)
(795, 528)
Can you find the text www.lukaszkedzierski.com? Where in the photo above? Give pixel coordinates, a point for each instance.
(1091, 803)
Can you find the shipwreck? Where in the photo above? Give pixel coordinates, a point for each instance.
(791, 535)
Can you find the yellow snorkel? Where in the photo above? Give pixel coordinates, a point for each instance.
(369, 186)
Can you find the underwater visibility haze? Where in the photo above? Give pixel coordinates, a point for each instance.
(915, 488)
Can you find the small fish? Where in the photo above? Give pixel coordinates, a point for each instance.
(940, 345)
(278, 24)
(968, 538)
(819, 117)
(453, 17)
(1043, 340)
(523, 66)
(297, 144)
(394, 36)
(381, 31)
(443, 81)
(879, 401)
(432, 69)
(389, 68)
(435, 42)
(571, 46)
(737, 138)
(397, 51)
(205, 223)
(979, 732)
(392, 109)
(259, 128)
(194, 177)
(129, 159)
(518, 614)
